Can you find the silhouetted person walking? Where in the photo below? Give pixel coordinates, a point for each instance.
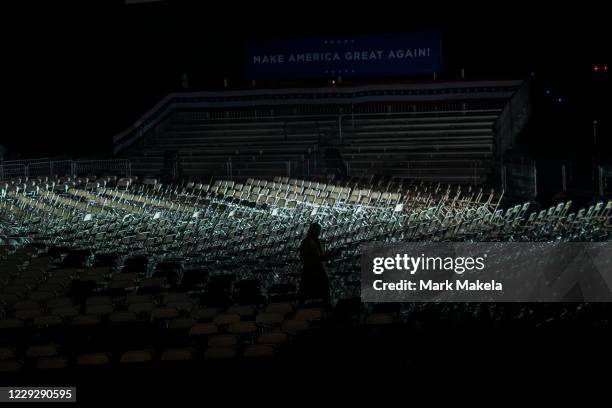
(315, 282)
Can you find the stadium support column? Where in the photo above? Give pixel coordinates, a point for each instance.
(228, 165)
(564, 178)
(2, 150)
(535, 179)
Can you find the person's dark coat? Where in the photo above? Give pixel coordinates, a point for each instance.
(315, 282)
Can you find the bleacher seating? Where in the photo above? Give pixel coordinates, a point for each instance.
(447, 133)
(451, 147)
(257, 147)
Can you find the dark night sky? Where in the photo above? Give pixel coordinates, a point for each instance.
(78, 73)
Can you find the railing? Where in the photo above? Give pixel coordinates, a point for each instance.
(520, 179)
(42, 168)
(8, 171)
(50, 168)
(584, 179)
(531, 178)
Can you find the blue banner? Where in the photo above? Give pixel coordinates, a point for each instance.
(380, 55)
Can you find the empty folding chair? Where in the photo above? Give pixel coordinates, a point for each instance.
(169, 271)
(162, 314)
(10, 366)
(7, 353)
(136, 298)
(151, 286)
(136, 264)
(293, 326)
(177, 355)
(273, 338)
(119, 288)
(109, 260)
(309, 314)
(246, 312)
(243, 329)
(205, 314)
(26, 305)
(181, 324)
(65, 312)
(122, 317)
(60, 302)
(222, 340)
(93, 359)
(283, 308)
(27, 314)
(52, 363)
(347, 311)
(86, 320)
(98, 300)
(100, 309)
(248, 292)
(171, 297)
(380, 319)
(194, 279)
(48, 321)
(270, 319)
(44, 350)
(43, 295)
(199, 330)
(282, 292)
(220, 353)
(259, 351)
(185, 305)
(225, 319)
(136, 357)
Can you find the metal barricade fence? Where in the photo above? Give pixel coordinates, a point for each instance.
(36, 168)
(576, 179)
(119, 167)
(12, 170)
(51, 168)
(520, 179)
(581, 178)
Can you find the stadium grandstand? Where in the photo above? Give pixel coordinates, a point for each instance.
(225, 236)
(441, 132)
